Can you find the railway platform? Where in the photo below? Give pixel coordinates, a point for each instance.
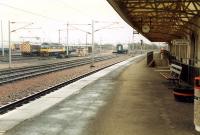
(125, 99)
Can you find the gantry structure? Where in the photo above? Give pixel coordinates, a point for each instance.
(160, 20)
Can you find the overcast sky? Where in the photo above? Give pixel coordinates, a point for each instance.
(50, 15)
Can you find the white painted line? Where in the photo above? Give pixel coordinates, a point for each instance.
(157, 70)
(38, 106)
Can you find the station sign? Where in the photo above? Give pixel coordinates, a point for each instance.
(180, 42)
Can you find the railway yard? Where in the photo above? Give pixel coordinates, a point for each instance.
(24, 81)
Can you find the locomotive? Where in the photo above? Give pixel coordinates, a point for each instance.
(44, 49)
(121, 49)
(52, 49)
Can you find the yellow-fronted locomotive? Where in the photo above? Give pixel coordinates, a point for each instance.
(52, 49)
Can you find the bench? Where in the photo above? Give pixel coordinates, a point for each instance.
(174, 75)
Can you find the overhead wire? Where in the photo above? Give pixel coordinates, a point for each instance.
(75, 9)
(47, 17)
(27, 11)
(80, 29)
(40, 15)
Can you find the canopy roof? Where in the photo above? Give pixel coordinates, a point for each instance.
(159, 20)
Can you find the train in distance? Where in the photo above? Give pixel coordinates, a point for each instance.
(44, 49)
(50, 49)
(121, 49)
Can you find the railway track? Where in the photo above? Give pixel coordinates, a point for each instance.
(18, 58)
(20, 102)
(11, 75)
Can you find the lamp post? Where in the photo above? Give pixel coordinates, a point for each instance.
(9, 39)
(67, 39)
(134, 32)
(69, 24)
(86, 33)
(93, 31)
(2, 47)
(9, 44)
(141, 45)
(100, 47)
(86, 37)
(59, 36)
(92, 64)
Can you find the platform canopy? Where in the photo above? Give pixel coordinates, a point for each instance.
(159, 20)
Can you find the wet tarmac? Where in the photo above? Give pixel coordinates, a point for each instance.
(131, 100)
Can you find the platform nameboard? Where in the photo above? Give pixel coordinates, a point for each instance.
(180, 42)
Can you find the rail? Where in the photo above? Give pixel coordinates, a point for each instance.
(20, 102)
(7, 76)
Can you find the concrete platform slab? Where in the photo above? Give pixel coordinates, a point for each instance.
(131, 100)
(77, 107)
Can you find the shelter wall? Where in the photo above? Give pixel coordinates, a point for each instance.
(189, 54)
(195, 44)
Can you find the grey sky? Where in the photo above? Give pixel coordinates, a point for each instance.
(51, 15)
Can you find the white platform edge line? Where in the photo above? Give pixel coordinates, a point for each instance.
(67, 88)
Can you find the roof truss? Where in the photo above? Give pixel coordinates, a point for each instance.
(167, 18)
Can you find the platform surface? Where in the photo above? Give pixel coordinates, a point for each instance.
(128, 100)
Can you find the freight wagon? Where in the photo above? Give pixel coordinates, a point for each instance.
(30, 49)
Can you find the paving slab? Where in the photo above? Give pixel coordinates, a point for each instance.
(36, 108)
(131, 99)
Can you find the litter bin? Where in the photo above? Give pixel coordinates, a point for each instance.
(197, 103)
(184, 94)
